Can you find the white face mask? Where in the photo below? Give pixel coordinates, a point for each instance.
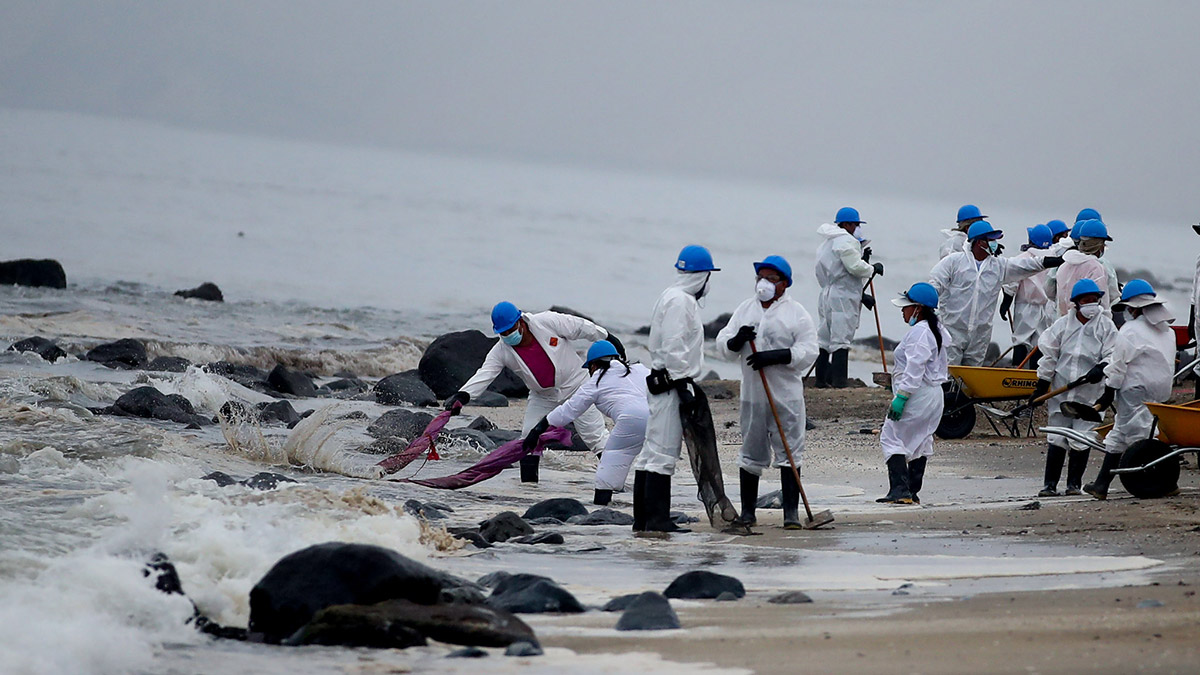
(1090, 310)
(858, 232)
(765, 290)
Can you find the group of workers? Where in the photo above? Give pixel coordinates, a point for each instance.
(1058, 294)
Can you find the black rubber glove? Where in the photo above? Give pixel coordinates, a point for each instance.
(1052, 261)
(1107, 399)
(744, 335)
(1192, 323)
(531, 440)
(1096, 374)
(878, 269)
(1005, 305)
(616, 343)
(867, 254)
(999, 250)
(658, 381)
(461, 397)
(868, 301)
(684, 388)
(1040, 390)
(769, 357)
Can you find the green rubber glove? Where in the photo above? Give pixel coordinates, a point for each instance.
(897, 409)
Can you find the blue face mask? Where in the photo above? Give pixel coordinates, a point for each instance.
(512, 339)
(914, 320)
(993, 246)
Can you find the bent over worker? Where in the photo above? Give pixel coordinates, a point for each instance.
(784, 346)
(842, 265)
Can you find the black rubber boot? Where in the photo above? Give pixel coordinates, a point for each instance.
(1099, 487)
(529, 468)
(658, 504)
(916, 477)
(823, 380)
(639, 501)
(898, 492)
(1033, 362)
(839, 364)
(1018, 355)
(1197, 397)
(602, 497)
(749, 491)
(791, 499)
(1054, 464)
(1076, 464)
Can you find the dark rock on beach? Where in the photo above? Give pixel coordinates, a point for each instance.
(347, 387)
(791, 598)
(467, 653)
(539, 538)
(221, 478)
(502, 436)
(400, 423)
(168, 364)
(278, 411)
(291, 382)
(533, 594)
(481, 424)
(713, 327)
(702, 584)
(266, 480)
(562, 508)
(605, 516)
(576, 445)
(125, 353)
(205, 291)
(150, 403)
(246, 375)
(490, 399)
(402, 623)
(404, 389)
(620, 603)
(236, 411)
(503, 526)
(453, 358)
(523, 649)
(27, 272)
(424, 511)
(40, 346)
(385, 446)
(648, 611)
(476, 439)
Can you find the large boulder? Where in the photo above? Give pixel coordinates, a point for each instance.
(562, 508)
(309, 580)
(291, 382)
(503, 526)
(246, 375)
(453, 358)
(648, 611)
(404, 389)
(533, 594)
(40, 346)
(713, 327)
(278, 411)
(124, 353)
(401, 623)
(605, 516)
(205, 291)
(28, 272)
(702, 584)
(168, 364)
(151, 403)
(400, 424)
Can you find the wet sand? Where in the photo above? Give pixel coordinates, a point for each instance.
(978, 500)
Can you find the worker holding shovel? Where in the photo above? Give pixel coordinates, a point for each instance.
(842, 265)
(1076, 347)
(776, 341)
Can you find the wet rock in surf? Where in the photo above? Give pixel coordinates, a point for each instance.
(603, 516)
(150, 403)
(702, 584)
(523, 649)
(349, 387)
(423, 511)
(481, 424)
(492, 579)
(168, 364)
(278, 411)
(453, 358)
(402, 623)
(563, 508)
(385, 446)
(291, 382)
(533, 594)
(27, 272)
(503, 526)
(246, 375)
(576, 445)
(713, 327)
(649, 611)
(791, 598)
(404, 389)
(502, 436)
(221, 478)
(681, 518)
(490, 399)
(205, 291)
(166, 580)
(309, 580)
(40, 346)
(620, 603)
(400, 423)
(539, 538)
(236, 411)
(266, 480)
(124, 353)
(476, 439)
(467, 653)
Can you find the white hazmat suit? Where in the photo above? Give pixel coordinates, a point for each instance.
(1069, 350)
(969, 290)
(676, 344)
(1032, 311)
(1077, 266)
(784, 324)
(955, 241)
(554, 332)
(622, 398)
(920, 370)
(840, 272)
(1141, 370)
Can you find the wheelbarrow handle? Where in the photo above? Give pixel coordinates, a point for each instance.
(1048, 395)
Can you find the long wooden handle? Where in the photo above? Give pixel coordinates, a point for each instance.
(878, 328)
(783, 436)
(1027, 357)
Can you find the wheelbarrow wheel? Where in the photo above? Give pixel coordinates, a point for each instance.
(1159, 480)
(958, 416)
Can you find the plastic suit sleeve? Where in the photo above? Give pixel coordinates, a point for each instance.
(939, 276)
(1016, 269)
(581, 400)
(1114, 374)
(804, 349)
(1049, 345)
(851, 257)
(492, 366)
(919, 352)
(574, 327)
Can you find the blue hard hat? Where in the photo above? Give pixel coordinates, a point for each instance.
(1040, 236)
(1095, 229)
(969, 211)
(777, 263)
(983, 229)
(1075, 229)
(847, 214)
(695, 259)
(1137, 287)
(1057, 227)
(920, 293)
(1087, 214)
(504, 316)
(1085, 287)
(598, 350)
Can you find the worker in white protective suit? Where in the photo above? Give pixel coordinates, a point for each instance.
(842, 267)
(1026, 304)
(771, 334)
(1140, 371)
(1084, 262)
(956, 237)
(917, 402)
(618, 390)
(676, 345)
(1077, 346)
(1194, 314)
(537, 347)
(968, 284)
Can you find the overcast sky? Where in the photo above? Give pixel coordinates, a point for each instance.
(1045, 104)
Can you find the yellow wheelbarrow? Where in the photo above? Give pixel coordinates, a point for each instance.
(972, 386)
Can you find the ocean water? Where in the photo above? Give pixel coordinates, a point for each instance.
(335, 258)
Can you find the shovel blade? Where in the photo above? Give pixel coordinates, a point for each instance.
(1081, 411)
(818, 519)
(882, 379)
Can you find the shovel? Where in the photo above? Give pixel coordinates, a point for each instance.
(822, 518)
(883, 379)
(996, 412)
(1083, 411)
